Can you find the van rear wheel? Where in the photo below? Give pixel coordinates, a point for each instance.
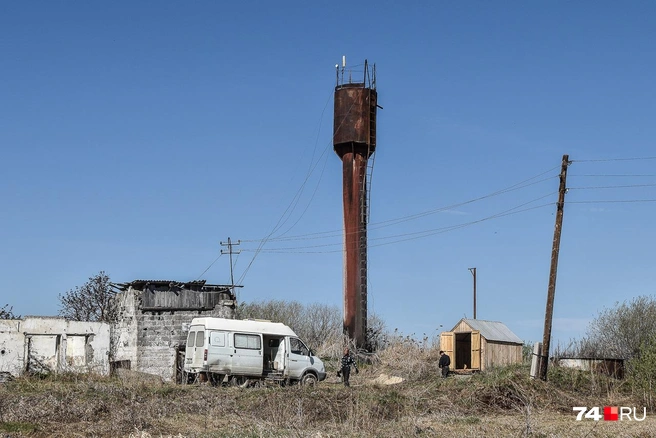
(216, 379)
(309, 380)
(188, 378)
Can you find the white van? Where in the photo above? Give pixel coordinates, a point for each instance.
(245, 351)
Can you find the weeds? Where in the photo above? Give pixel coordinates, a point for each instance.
(17, 427)
(500, 402)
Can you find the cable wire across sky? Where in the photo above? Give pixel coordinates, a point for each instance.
(413, 235)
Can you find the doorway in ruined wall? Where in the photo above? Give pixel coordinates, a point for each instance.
(42, 353)
(179, 362)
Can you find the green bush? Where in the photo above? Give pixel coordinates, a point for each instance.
(643, 372)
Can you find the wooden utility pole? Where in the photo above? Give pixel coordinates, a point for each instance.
(473, 271)
(229, 244)
(546, 339)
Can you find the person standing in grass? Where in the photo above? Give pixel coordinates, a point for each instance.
(444, 363)
(347, 361)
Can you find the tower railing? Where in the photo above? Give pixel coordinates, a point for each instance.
(362, 74)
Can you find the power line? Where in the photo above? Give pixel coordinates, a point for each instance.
(278, 224)
(211, 264)
(614, 159)
(286, 251)
(376, 225)
(311, 168)
(236, 259)
(621, 175)
(307, 206)
(468, 223)
(617, 201)
(612, 187)
(294, 201)
(297, 197)
(430, 212)
(416, 234)
(456, 227)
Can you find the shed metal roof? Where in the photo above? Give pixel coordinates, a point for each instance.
(492, 330)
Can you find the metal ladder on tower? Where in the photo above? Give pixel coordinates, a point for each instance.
(366, 192)
(371, 158)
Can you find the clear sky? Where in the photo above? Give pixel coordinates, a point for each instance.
(136, 136)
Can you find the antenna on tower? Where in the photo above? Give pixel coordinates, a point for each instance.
(343, 66)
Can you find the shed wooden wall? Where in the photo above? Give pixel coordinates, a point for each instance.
(493, 353)
(462, 327)
(496, 354)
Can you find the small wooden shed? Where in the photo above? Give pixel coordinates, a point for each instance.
(475, 344)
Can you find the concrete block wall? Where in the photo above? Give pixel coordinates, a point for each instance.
(150, 339)
(159, 336)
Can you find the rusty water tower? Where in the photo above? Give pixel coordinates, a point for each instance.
(354, 141)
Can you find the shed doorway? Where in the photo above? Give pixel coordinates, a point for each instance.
(463, 351)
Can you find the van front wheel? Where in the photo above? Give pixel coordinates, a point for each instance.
(309, 380)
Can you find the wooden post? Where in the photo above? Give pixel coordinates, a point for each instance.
(546, 339)
(473, 271)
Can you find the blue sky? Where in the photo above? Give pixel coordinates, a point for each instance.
(136, 136)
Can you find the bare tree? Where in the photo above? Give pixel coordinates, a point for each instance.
(287, 312)
(622, 330)
(321, 322)
(315, 323)
(6, 312)
(377, 333)
(92, 301)
(320, 325)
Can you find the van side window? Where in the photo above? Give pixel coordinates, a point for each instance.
(217, 339)
(200, 339)
(190, 339)
(298, 347)
(249, 342)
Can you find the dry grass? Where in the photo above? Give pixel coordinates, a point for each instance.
(500, 403)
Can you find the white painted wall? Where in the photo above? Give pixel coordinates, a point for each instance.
(54, 344)
(12, 347)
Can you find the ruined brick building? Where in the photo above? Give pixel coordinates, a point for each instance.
(44, 344)
(149, 334)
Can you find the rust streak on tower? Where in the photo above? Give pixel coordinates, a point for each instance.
(354, 141)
